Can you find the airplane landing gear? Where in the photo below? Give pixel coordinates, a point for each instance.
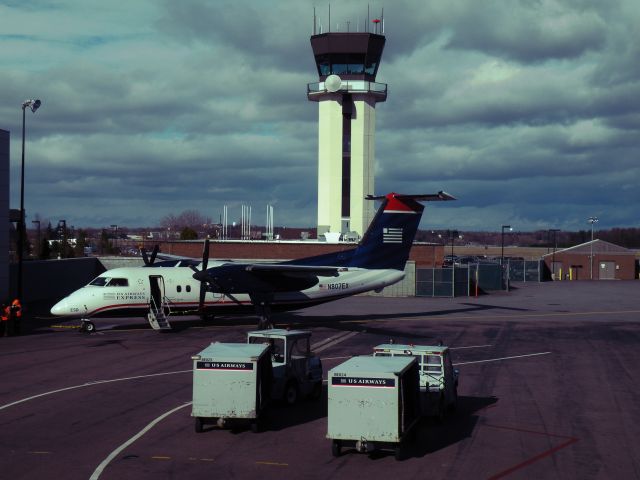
(264, 316)
(87, 326)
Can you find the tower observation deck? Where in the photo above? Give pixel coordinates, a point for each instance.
(346, 93)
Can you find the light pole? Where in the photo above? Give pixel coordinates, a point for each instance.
(115, 235)
(62, 231)
(502, 237)
(452, 234)
(591, 220)
(33, 105)
(553, 256)
(38, 244)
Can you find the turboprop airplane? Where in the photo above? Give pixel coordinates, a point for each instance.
(191, 287)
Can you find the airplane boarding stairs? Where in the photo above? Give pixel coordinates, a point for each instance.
(158, 315)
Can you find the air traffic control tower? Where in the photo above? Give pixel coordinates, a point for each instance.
(347, 94)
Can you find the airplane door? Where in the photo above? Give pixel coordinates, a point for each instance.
(156, 282)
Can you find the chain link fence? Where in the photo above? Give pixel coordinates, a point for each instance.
(475, 278)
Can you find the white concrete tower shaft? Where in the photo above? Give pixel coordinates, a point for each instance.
(347, 95)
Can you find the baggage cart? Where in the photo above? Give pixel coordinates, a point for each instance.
(373, 403)
(231, 384)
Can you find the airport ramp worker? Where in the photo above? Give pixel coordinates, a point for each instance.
(15, 314)
(4, 317)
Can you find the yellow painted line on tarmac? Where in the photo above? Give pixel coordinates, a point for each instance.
(40, 453)
(65, 326)
(427, 316)
(159, 457)
(207, 460)
(273, 464)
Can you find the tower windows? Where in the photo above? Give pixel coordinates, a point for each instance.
(345, 64)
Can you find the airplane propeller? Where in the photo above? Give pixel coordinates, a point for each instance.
(149, 261)
(202, 276)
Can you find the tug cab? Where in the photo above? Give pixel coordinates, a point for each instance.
(438, 378)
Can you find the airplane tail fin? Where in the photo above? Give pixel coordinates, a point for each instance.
(388, 240)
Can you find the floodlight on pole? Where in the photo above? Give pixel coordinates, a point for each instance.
(38, 244)
(553, 257)
(592, 221)
(33, 105)
(502, 242)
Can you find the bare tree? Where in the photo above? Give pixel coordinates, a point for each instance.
(187, 219)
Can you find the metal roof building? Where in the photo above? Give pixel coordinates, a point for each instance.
(594, 260)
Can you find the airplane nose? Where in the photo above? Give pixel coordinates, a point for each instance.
(59, 308)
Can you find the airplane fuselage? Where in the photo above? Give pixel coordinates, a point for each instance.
(130, 292)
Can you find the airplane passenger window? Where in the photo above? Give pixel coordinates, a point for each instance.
(118, 282)
(188, 288)
(178, 288)
(99, 281)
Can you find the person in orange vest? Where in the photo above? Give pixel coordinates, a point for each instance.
(4, 317)
(15, 314)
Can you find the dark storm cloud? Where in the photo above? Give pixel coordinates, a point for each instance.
(528, 111)
(528, 31)
(272, 35)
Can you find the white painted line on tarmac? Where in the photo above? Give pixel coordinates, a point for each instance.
(88, 384)
(450, 348)
(470, 346)
(503, 358)
(98, 471)
(340, 338)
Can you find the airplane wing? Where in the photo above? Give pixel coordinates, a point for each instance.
(305, 269)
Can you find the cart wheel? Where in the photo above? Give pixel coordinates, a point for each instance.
(454, 405)
(316, 393)
(336, 448)
(291, 393)
(256, 425)
(398, 452)
(442, 410)
(199, 424)
(89, 327)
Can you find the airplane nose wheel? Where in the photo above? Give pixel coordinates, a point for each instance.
(87, 326)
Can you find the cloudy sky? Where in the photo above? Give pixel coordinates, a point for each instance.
(528, 111)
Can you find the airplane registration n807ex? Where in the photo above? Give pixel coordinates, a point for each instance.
(193, 287)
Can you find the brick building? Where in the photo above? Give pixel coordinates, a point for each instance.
(610, 262)
(425, 255)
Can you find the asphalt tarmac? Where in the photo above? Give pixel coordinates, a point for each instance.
(549, 388)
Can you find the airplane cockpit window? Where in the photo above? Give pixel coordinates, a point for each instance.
(118, 282)
(99, 281)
